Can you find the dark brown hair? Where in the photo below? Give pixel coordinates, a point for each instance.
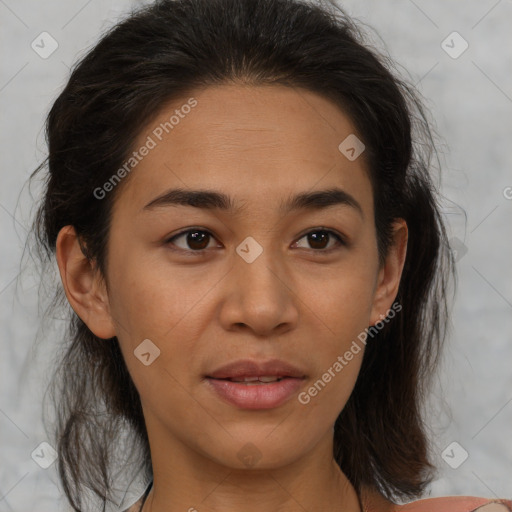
(167, 49)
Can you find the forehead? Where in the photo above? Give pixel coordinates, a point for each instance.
(254, 142)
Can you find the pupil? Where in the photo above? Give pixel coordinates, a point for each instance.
(315, 237)
(195, 237)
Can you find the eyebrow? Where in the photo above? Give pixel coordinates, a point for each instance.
(214, 200)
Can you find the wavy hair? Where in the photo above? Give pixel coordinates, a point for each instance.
(165, 50)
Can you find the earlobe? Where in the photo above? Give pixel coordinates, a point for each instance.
(390, 273)
(83, 284)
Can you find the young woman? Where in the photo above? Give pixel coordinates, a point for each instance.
(240, 205)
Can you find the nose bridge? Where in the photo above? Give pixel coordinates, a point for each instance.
(260, 297)
(258, 269)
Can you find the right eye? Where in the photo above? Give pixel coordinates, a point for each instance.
(196, 239)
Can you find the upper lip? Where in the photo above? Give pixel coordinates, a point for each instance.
(250, 368)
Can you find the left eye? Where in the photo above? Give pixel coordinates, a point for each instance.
(319, 237)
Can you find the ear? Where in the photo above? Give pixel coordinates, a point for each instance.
(388, 279)
(84, 286)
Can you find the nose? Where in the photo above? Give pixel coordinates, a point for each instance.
(259, 296)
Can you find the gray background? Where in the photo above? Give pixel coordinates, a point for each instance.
(470, 98)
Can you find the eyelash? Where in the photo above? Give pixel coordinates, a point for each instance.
(339, 238)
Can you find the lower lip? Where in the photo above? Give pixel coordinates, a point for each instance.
(258, 396)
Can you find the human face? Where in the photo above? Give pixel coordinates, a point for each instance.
(202, 303)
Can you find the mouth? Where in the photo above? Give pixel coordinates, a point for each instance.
(250, 384)
(255, 381)
(247, 370)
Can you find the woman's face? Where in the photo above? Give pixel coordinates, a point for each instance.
(258, 276)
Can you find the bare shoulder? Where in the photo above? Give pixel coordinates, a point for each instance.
(494, 507)
(457, 504)
(374, 502)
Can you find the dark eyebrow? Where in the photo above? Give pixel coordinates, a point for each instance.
(320, 199)
(213, 200)
(205, 199)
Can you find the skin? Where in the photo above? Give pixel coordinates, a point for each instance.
(258, 145)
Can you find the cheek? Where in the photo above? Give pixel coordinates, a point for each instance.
(341, 297)
(151, 298)
(347, 298)
(330, 390)
(343, 304)
(339, 361)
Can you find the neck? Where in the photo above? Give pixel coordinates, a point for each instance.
(308, 484)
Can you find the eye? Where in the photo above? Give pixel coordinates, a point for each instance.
(319, 238)
(196, 240)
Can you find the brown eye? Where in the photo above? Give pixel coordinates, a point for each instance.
(196, 240)
(319, 239)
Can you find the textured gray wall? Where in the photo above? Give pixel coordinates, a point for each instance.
(470, 96)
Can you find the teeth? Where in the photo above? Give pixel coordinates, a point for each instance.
(256, 379)
(268, 379)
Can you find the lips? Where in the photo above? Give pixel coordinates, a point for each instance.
(256, 380)
(246, 368)
(249, 384)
